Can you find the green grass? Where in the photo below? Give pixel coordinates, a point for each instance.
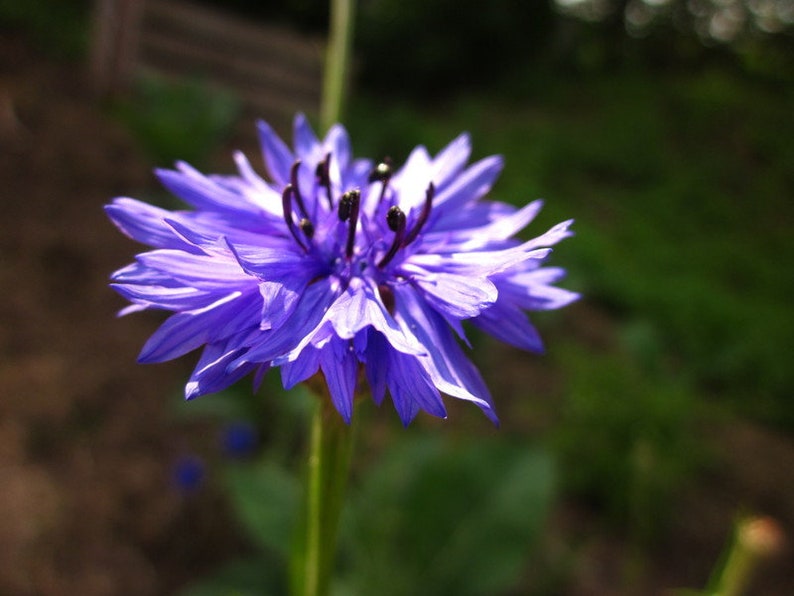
(178, 120)
(680, 186)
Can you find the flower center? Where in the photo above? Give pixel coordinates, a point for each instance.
(348, 209)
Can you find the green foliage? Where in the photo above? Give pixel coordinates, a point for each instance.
(429, 518)
(265, 497)
(626, 436)
(680, 188)
(178, 120)
(441, 519)
(451, 43)
(254, 576)
(59, 28)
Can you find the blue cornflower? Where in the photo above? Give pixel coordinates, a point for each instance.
(188, 473)
(239, 439)
(339, 265)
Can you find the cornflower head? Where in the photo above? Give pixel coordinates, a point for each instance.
(339, 265)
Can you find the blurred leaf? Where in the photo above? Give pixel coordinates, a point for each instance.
(438, 520)
(683, 228)
(230, 404)
(626, 435)
(245, 577)
(179, 120)
(265, 499)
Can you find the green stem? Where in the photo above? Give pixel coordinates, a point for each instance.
(329, 463)
(754, 539)
(337, 62)
(331, 439)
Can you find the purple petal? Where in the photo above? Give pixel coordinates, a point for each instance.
(357, 174)
(210, 237)
(186, 331)
(552, 237)
(375, 364)
(340, 367)
(447, 366)
(455, 225)
(276, 264)
(137, 273)
(411, 388)
(200, 191)
(503, 228)
(175, 298)
(356, 308)
(210, 374)
(249, 175)
(472, 184)
(277, 343)
(279, 301)
(199, 271)
(278, 157)
(145, 223)
(451, 160)
(305, 141)
(474, 264)
(337, 142)
(457, 295)
(412, 179)
(304, 367)
(508, 323)
(532, 290)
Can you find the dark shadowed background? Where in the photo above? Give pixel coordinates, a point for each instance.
(659, 415)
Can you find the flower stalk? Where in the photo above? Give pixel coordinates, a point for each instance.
(331, 440)
(755, 539)
(330, 449)
(337, 63)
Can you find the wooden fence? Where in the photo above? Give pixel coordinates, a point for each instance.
(273, 71)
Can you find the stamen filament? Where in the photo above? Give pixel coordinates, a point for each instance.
(429, 194)
(293, 175)
(286, 203)
(323, 176)
(395, 219)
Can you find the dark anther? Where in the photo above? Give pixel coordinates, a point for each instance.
(286, 203)
(344, 208)
(320, 173)
(382, 173)
(293, 176)
(348, 211)
(346, 205)
(323, 177)
(395, 219)
(306, 227)
(429, 194)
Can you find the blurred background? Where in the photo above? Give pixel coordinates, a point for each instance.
(659, 417)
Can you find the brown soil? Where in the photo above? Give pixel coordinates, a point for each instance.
(86, 439)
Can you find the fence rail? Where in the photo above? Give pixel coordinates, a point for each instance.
(273, 71)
